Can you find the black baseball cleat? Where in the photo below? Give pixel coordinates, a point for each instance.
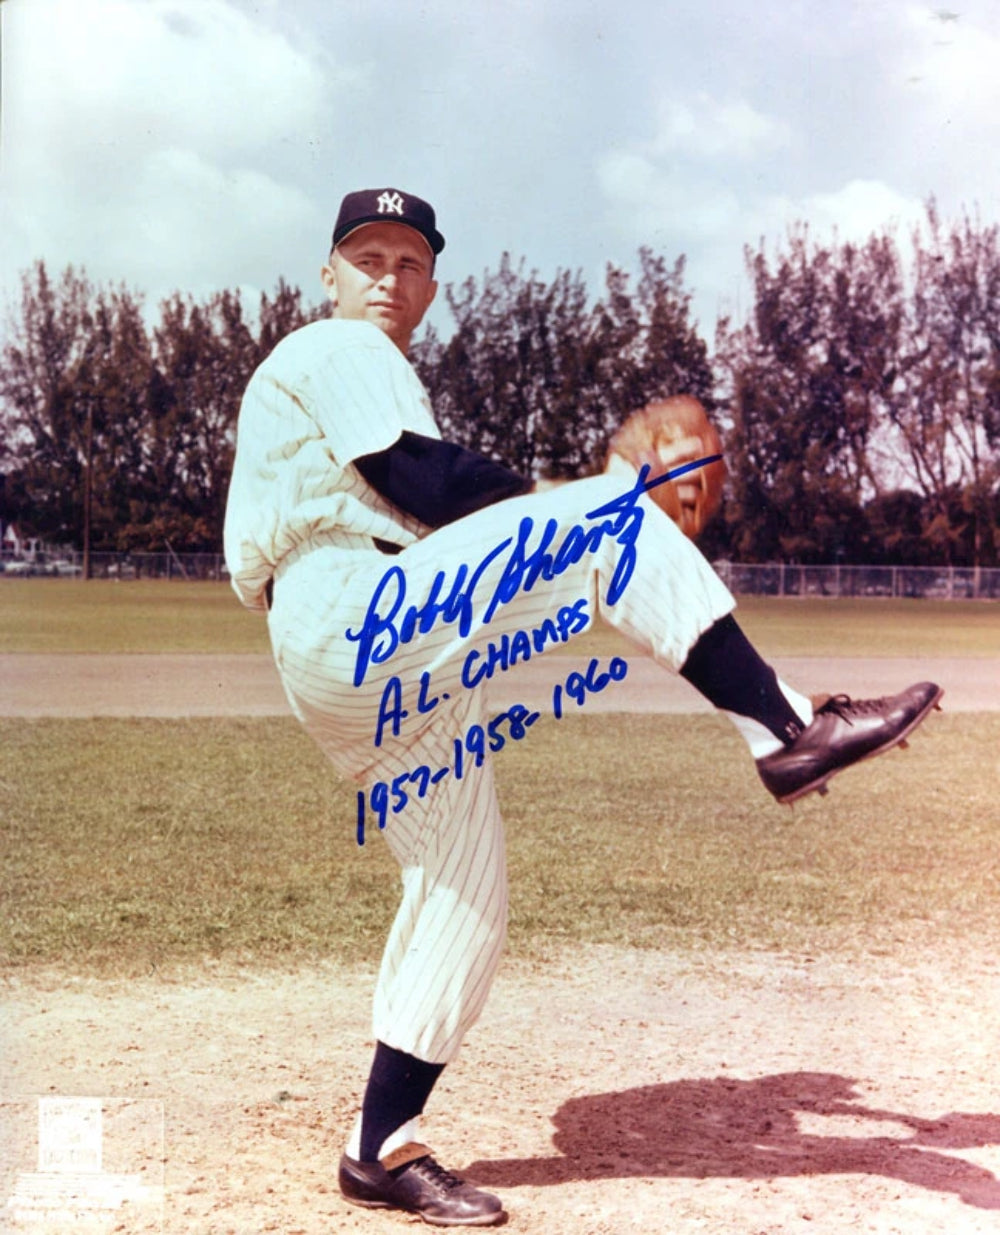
(411, 1180)
(845, 731)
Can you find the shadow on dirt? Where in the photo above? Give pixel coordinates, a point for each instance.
(728, 1128)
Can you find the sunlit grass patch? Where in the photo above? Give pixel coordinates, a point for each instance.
(134, 844)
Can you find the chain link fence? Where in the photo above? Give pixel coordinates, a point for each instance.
(210, 566)
(922, 582)
(766, 579)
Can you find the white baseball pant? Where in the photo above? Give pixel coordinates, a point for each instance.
(446, 940)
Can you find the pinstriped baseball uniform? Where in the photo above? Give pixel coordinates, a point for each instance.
(327, 394)
(333, 392)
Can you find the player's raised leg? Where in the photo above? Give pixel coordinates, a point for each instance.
(522, 575)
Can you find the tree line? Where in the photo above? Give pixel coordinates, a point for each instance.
(859, 400)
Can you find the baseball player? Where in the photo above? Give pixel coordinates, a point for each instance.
(399, 573)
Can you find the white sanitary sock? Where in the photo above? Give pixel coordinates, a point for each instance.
(408, 1132)
(758, 737)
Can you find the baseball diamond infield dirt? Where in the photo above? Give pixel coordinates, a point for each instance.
(247, 685)
(605, 1091)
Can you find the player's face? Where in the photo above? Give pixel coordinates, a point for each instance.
(382, 273)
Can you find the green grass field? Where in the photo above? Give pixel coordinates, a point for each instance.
(133, 844)
(137, 844)
(68, 615)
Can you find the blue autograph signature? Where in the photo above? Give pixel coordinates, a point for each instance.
(390, 621)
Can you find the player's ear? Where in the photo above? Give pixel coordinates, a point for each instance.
(328, 278)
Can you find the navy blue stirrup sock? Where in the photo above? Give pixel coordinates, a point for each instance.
(398, 1088)
(726, 668)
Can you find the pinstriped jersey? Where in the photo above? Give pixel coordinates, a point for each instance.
(329, 393)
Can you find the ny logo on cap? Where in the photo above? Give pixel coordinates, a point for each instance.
(390, 203)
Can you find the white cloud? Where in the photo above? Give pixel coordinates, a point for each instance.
(679, 186)
(139, 138)
(711, 217)
(184, 143)
(171, 72)
(943, 99)
(648, 202)
(705, 129)
(951, 59)
(860, 208)
(851, 213)
(192, 218)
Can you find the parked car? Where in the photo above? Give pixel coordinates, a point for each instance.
(64, 567)
(18, 567)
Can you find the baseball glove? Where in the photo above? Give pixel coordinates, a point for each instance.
(666, 434)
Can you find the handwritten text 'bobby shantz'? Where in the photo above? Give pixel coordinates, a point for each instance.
(525, 559)
(390, 622)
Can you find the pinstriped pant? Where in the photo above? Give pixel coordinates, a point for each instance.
(446, 940)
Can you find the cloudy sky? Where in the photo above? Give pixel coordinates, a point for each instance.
(197, 144)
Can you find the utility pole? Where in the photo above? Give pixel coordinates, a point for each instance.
(88, 486)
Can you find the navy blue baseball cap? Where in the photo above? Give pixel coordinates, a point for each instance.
(387, 206)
